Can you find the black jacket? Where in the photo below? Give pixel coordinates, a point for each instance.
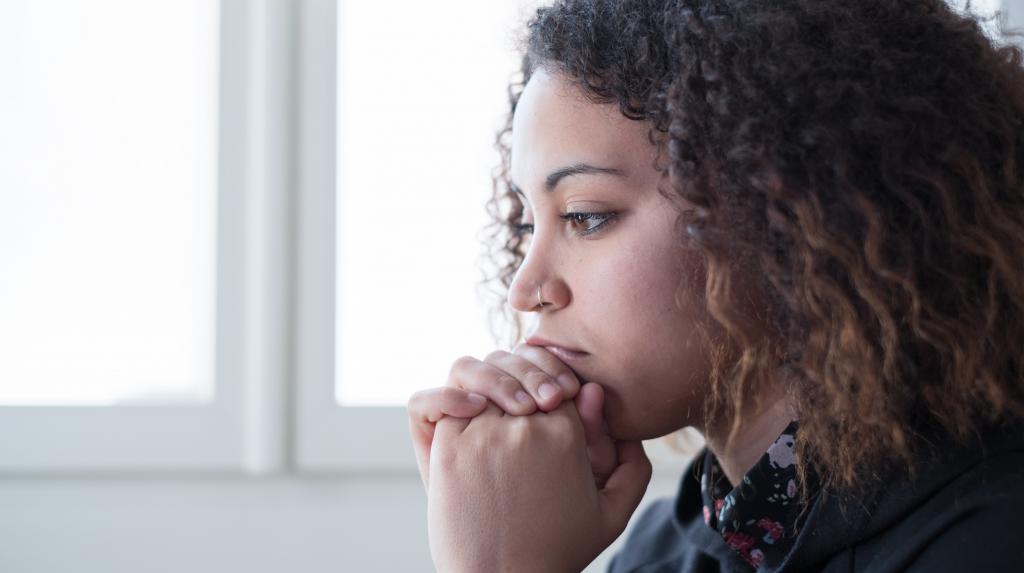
(965, 512)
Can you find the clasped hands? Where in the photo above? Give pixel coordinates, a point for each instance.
(520, 476)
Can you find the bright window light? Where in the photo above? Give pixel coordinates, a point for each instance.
(421, 94)
(108, 201)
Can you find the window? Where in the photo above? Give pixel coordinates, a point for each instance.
(136, 227)
(233, 229)
(389, 246)
(423, 93)
(108, 202)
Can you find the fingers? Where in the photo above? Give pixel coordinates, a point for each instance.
(426, 407)
(543, 388)
(519, 382)
(626, 486)
(553, 365)
(492, 382)
(600, 446)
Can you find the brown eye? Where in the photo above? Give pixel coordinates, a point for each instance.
(585, 219)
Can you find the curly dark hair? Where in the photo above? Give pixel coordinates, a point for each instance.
(864, 158)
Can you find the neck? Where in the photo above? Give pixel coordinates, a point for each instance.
(758, 431)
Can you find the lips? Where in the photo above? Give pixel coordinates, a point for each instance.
(560, 350)
(565, 354)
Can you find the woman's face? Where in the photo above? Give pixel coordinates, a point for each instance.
(610, 292)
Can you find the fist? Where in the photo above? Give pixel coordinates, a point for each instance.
(527, 380)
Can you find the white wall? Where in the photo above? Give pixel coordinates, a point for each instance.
(221, 525)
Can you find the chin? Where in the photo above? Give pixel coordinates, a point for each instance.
(633, 423)
(630, 432)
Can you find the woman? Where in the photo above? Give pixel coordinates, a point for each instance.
(796, 226)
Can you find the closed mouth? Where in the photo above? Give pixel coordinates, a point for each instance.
(565, 353)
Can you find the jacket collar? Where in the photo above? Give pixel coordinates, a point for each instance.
(835, 522)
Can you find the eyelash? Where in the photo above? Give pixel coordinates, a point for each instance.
(577, 216)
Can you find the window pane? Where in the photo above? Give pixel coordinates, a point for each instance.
(107, 201)
(421, 94)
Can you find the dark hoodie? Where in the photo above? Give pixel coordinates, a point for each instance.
(964, 512)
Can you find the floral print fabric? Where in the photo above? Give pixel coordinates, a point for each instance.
(757, 518)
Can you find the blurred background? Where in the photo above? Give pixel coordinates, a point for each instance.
(235, 237)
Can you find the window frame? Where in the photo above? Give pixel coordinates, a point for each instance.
(243, 428)
(329, 436)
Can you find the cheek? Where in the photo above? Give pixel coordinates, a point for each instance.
(653, 350)
(638, 297)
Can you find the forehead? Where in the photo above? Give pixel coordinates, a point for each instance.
(555, 125)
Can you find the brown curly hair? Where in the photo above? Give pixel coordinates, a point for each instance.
(864, 159)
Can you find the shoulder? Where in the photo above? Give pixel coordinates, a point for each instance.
(978, 521)
(973, 522)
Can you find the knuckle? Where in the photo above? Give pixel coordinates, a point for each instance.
(461, 370)
(507, 383)
(563, 427)
(537, 377)
(461, 363)
(414, 401)
(445, 394)
(425, 404)
(518, 430)
(422, 398)
(495, 355)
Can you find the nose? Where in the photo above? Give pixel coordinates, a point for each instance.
(535, 286)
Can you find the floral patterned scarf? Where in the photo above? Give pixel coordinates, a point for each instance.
(758, 517)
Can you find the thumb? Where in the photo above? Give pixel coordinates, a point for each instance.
(625, 488)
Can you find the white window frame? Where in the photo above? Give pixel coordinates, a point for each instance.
(243, 428)
(329, 437)
(274, 407)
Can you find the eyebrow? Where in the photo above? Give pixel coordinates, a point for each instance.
(552, 180)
